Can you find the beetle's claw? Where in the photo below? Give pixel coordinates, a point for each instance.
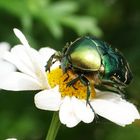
(88, 103)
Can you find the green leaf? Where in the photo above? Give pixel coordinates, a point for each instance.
(54, 27)
(52, 15)
(64, 8)
(83, 25)
(16, 7)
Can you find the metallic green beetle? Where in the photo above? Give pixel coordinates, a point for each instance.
(90, 57)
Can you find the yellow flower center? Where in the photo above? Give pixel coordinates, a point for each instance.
(56, 77)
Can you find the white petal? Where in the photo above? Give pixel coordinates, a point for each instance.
(6, 67)
(39, 68)
(4, 47)
(20, 59)
(11, 139)
(82, 111)
(28, 61)
(46, 53)
(21, 37)
(18, 81)
(31, 53)
(48, 99)
(66, 113)
(112, 107)
(55, 65)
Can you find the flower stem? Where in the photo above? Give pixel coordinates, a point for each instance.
(54, 127)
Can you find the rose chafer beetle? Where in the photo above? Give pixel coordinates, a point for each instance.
(94, 60)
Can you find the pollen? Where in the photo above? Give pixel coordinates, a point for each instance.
(56, 77)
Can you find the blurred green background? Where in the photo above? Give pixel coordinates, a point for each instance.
(53, 23)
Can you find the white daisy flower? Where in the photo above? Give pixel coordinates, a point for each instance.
(55, 95)
(11, 139)
(5, 67)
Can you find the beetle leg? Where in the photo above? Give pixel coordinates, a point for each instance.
(83, 80)
(118, 81)
(107, 85)
(86, 83)
(72, 82)
(50, 62)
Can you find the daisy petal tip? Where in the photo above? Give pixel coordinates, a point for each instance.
(21, 36)
(36, 98)
(48, 100)
(128, 123)
(37, 101)
(70, 125)
(137, 117)
(131, 119)
(17, 31)
(67, 115)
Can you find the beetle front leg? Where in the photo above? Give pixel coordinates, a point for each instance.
(49, 63)
(56, 56)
